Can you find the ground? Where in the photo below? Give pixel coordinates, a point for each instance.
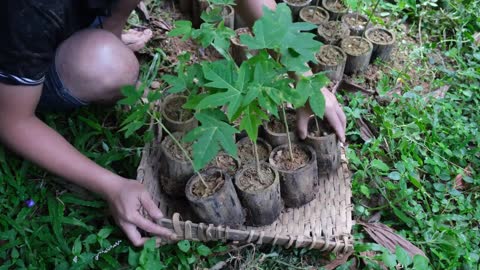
(413, 149)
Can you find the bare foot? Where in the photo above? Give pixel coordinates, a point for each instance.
(136, 39)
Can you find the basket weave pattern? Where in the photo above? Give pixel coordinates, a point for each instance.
(325, 223)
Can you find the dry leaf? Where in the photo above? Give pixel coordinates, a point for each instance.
(388, 238)
(143, 11)
(439, 93)
(459, 183)
(341, 259)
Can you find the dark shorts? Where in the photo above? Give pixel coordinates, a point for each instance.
(55, 96)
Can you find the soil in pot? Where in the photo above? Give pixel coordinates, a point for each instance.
(323, 140)
(239, 51)
(336, 8)
(383, 42)
(246, 152)
(298, 176)
(259, 193)
(359, 51)
(175, 118)
(313, 14)
(331, 59)
(176, 169)
(296, 6)
(356, 23)
(332, 32)
(275, 131)
(217, 202)
(226, 163)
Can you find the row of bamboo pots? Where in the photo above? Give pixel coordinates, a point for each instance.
(352, 40)
(235, 193)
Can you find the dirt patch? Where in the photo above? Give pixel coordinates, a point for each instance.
(355, 46)
(330, 56)
(319, 128)
(335, 5)
(296, 2)
(174, 111)
(251, 180)
(214, 183)
(380, 36)
(175, 151)
(246, 153)
(332, 30)
(313, 14)
(225, 163)
(278, 125)
(283, 161)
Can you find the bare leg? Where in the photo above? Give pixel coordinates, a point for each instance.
(94, 64)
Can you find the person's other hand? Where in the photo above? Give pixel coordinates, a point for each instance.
(333, 113)
(126, 203)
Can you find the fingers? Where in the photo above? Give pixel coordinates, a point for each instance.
(150, 206)
(153, 228)
(336, 124)
(303, 115)
(133, 234)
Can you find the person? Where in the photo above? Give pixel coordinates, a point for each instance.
(51, 57)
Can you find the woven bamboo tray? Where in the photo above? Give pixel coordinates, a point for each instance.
(324, 224)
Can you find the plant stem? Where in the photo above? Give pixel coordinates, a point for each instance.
(288, 132)
(257, 159)
(183, 151)
(318, 126)
(370, 17)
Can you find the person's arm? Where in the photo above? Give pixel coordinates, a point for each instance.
(25, 134)
(250, 11)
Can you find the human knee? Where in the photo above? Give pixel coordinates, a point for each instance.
(95, 65)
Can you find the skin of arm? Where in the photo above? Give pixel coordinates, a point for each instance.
(250, 11)
(28, 136)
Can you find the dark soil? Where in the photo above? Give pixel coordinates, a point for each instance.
(174, 110)
(284, 162)
(238, 32)
(278, 125)
(355, 46)
(380, 36)
(214, 183)
(251, 181)
(175, 151)
(332, 30)
(355, 21)
(323, 128)
(313, 15)
(247, 155)
(224, 162)
(330, 56)
(296, 2)
(335, 5)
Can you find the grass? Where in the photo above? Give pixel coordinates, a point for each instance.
(406, 172)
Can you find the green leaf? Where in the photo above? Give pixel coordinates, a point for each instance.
(402, 256)
(133, 257)
(402, 216)
(77, 246)
(251, 121)
(182, 28)
(104, 233)
(131, 95)
(184, 246)
(389, 259)
(378, 164)
(177, 84)
(420, 262)
(395, 176)
(203, 250)
(309, 88)
(222, 75)
(212, 135)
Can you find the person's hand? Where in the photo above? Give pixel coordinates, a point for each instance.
(126, 203)
(333, 113)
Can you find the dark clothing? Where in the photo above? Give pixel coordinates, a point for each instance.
(31, 31)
